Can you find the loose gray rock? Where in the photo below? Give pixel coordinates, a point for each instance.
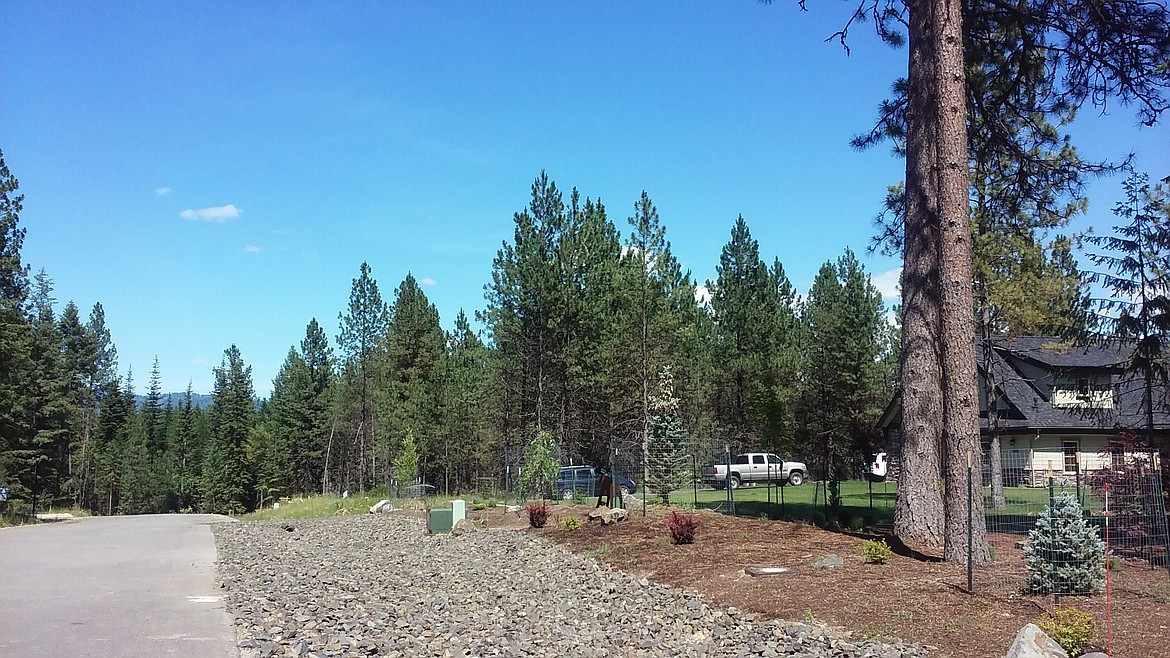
(1031, 642)
(378, 585)
(382, 506)
(830, 561)
(462, 527)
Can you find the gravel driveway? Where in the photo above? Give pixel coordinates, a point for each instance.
(377, 585)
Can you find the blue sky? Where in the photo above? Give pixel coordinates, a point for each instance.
(215, 173)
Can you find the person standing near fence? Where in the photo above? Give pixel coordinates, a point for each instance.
(604, 488)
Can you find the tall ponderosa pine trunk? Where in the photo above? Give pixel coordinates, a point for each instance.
(918, 513)
(960, 397)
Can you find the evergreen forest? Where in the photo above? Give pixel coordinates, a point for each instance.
(583, 317)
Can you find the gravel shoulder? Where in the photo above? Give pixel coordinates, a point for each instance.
(378, 585)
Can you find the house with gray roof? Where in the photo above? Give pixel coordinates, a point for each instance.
(1059, 409)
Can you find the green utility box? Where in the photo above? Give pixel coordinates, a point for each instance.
(439, 519)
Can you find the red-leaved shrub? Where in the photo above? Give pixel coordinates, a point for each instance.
(537, 514)
(682, 527)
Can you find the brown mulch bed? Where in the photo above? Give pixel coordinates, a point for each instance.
(915, 598)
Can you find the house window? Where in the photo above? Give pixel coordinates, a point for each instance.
(1083, 390)
(1071, 451)
(1117, 454)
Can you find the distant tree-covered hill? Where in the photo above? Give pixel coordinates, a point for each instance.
(197, 400)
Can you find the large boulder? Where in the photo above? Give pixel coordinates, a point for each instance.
(1031, 642)
(608, 516)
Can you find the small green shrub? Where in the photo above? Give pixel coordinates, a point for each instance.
(1115, 564)
(479, 506)
(877, 551)
(817, 518)
(1070, 628)
(538, 514)
(856, 524)
(845, 518)
(571, 523)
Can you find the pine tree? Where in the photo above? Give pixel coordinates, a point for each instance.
(185, 453)
(153, 407)
(658, 319)
(1135, 264)
(42, 458)
(318, 400)
(363, 326)
(114, 415)
(738, 297)
(414, 354)
(1029, 63)
(1064, 554)
(469, 408)
(226, 484)
(267, 459)
(521, 307)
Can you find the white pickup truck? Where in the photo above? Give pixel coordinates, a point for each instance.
(754, 467)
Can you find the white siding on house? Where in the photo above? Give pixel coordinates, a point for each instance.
(1082, 393)
(1034, 459)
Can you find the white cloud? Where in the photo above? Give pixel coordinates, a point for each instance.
(428, 281)
(162, 191)
(252, 249)
(702, 294)
(889, 285)
(217, 214)
(200, 361)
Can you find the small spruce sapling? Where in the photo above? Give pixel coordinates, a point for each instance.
(1064, 554)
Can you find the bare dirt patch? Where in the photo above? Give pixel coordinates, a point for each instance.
(915, 599)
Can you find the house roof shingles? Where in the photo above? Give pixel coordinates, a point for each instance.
(1028, 401)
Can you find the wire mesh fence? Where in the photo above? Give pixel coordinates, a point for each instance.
(1064, 514)
(780, 486)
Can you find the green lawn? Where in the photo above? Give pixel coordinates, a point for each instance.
(800, 502)
(797, 502)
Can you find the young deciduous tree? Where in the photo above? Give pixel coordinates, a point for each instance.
(540, 465)
(406, 461)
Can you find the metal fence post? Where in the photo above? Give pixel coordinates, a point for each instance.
(1052, 540)
(970, 527)
(730, 491)
(695, 478)
(1160, 505)
(1080, 496)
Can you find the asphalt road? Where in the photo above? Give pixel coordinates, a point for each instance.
(113, 586)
